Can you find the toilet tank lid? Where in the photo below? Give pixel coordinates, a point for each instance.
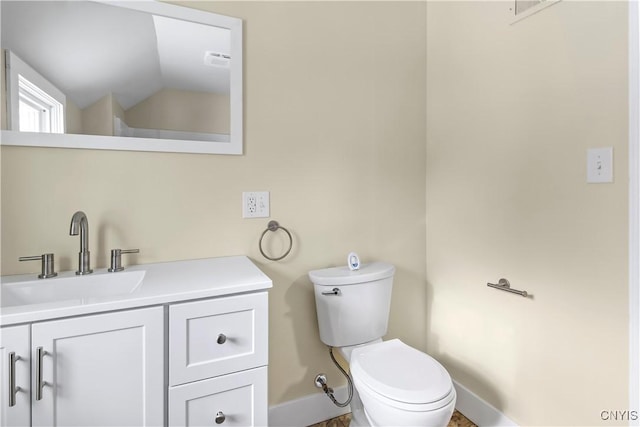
(336, 276)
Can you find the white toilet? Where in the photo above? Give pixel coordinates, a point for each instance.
(395, 384)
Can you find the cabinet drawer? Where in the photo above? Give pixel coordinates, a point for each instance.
(218, 336)
(238, 399)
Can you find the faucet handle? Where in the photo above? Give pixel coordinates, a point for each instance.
(48, 266)
(116, 258)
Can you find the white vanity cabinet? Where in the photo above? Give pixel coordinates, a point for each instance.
(218, 361)
(14, 371)
(238, 399)
(104, 369)
(186, 346)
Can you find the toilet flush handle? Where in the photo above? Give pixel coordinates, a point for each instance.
(334, 291)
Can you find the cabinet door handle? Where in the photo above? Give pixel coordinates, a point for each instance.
(39, 383)
(220, 417)
(222, 338)
(12, 378)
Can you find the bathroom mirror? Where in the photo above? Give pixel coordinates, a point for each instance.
(121, 75)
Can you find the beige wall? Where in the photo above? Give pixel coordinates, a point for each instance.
(511, 113)
(181, 110)
(334, 129)
(97, 118)
(335, 112)
(73, 117)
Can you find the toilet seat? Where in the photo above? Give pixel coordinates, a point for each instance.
(401, 376)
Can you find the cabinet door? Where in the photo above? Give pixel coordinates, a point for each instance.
(15, 409)
(100, 370)
(238, 399)
(214, 337)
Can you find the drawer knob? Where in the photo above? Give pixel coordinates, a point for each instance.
(222, 338)
(220, 417)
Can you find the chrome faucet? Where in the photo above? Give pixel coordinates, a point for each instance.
(80, 224)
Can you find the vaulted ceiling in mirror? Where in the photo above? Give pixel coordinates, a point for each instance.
(130, 54)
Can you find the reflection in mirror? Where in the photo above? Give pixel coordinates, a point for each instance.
(140, 75)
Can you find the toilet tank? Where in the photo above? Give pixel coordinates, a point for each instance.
(353, 306)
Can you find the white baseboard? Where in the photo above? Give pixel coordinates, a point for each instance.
(317, 407)
(479, 411)
(307, 410)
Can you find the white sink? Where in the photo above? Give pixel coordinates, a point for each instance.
(97, 285)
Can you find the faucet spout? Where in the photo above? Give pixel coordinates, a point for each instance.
(80, 225)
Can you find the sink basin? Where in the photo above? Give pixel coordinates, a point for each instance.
(95, 285)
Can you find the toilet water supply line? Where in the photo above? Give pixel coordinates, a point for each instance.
(321, 382)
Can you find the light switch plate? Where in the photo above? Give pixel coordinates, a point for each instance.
(600, 165)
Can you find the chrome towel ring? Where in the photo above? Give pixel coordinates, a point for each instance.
(274, 226)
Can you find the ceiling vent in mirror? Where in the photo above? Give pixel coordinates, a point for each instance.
(216, 59)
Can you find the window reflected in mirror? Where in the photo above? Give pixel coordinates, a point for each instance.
(114, 71)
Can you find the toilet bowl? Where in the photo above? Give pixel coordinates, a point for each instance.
(401, 386)
(395, 384)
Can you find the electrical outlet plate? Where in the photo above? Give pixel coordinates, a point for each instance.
(255, 204)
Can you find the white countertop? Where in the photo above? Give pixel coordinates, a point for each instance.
(166, 282)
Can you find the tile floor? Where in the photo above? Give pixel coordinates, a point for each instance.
(457, 420)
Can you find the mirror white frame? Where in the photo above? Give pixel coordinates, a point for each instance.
(98, 142)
